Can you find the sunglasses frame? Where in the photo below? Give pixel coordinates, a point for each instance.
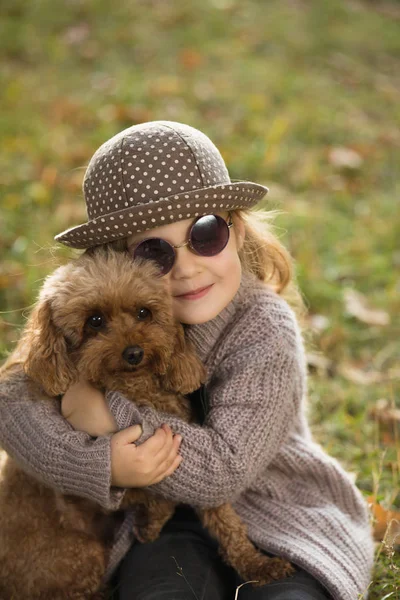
(229, 224)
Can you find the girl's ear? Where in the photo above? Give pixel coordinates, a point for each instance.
(47, 361)
(185, 372)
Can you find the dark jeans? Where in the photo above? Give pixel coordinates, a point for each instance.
(184, 564)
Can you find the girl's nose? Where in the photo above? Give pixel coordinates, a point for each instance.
(187, 263)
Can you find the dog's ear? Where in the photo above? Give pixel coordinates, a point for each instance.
(47, 361)
(185, 371)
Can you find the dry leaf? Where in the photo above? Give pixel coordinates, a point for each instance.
(190, 59)
(69, 212)
(388, 418)
(386, 523)
(167, 85)
(77, 34)
(319, 322)
(345, 158)
(384, 413)
(359, 376)
(123, 112)
(356, 305)
(320, 364)
(48, 176)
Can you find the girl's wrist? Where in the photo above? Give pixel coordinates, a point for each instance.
(85, 408)
(123, 411)
(126, 413)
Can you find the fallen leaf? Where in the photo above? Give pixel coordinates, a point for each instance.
(345, 158)
(190, 59)
(386, 523)
(167, 85)
(48, 176)
(320, 364)
(356, 305)
(388, 418)
(75, 35)
(131, 114)
(359, 376)
(332, 339)
(384, 412)
(319, 322)
(70, 212)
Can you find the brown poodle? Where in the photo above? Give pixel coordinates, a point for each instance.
(108, 320)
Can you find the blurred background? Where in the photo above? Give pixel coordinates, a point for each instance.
(300, 95)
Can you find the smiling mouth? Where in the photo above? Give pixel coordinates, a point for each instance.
(194, 292)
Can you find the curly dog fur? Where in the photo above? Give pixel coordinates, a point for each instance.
(110, 321)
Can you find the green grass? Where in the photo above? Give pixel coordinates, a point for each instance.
(277, 85)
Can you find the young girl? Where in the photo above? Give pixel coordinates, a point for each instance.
(161, 191)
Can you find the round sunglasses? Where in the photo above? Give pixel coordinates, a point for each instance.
(208, 236)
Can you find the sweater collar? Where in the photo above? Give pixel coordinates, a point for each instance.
(205, 335)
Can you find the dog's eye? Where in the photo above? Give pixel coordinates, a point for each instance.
(143, 314)
(96, 322)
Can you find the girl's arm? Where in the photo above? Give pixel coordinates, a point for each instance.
(254, 397)
(85, 408)
(34, 433)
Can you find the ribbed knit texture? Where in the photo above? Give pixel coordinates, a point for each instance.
(254, 450)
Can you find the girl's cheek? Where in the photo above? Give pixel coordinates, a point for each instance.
(167, 282)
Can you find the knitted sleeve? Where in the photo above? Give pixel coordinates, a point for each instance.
(34, 433)
(255, 393)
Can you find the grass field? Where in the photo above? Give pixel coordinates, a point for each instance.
(303, 96)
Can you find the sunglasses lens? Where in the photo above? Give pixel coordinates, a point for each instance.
(157, 250)
(209, 235)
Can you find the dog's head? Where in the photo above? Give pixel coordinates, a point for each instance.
(106, 318)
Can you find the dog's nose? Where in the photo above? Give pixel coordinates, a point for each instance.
(133, 354)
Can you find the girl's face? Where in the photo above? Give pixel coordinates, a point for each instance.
(201, 286)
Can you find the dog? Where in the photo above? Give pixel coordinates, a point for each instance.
(109, 320)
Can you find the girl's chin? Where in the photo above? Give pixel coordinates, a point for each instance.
(196, 317)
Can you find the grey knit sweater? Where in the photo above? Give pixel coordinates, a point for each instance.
(254, 450)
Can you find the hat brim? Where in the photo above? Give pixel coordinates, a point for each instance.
(113, 226)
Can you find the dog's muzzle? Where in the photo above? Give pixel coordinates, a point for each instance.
(133, 355)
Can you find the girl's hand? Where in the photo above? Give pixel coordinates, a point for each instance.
(152, 461)
(85, 408)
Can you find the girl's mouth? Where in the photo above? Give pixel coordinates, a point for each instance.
(196, 294)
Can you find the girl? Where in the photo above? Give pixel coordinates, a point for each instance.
(161, 191)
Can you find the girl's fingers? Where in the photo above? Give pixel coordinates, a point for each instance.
(168, 453)
(174, 465)
(164, 468)
(128, 435)
(155, 443)
(159, 445)
(157, 456)
(177, 441)
(171, 469)
(165, 443)
(172, 443)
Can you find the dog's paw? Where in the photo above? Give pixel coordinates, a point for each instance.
(138, 533)
(273, 569)
(146, 535)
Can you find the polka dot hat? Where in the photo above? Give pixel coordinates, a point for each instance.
(153, 174)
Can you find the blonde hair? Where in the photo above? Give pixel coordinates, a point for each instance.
(265, 256)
